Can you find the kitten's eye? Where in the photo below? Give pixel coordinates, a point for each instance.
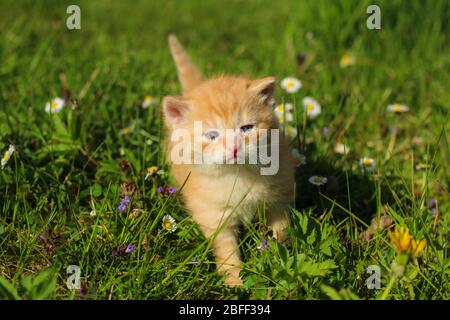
(247, 127)
(212, 135)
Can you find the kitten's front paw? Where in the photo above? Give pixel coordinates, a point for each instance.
(232, 278)
(279, 231)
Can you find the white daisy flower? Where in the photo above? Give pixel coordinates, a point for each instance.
(398, 108)
(7, 155)
(168, 223)
(347, 60)
(367, 164)
(55, 105)
(291, 84)
(341, 148)
(299, 158)
(291, 131)
(318, 180)
(148, 101)
(423, 166)
(312, 107)
(284, 111)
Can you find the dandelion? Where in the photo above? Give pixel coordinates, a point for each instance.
(168, 223)
(341, 148)
(284, 112)
(124, 204)
(130, 248)
(403, 242)
(148, 101)
(318, 180)
(299, 158)
(263, 245)
(312, 107)
(55, 105)
(398, 108)
(367, 164)
(7, 155)
(347, 60)
(291, 84)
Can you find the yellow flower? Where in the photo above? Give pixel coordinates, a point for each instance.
(152, 170)
(148, 101)
(404, 242)
(347, 60)
(417, 247)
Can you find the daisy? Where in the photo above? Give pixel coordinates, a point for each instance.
(368, 164)
(291, 131)
(126, 131)
(423, 166)
(299, 158)
(148, 101)
(312, 107)
(7, 155)
(168, 223)
(284, 111)
(151, 171)
(55, 105)
(318, 180)
(398, 108)
(347, 60)
(291, 84)
(341, 148)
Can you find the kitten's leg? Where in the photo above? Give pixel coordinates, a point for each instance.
(278, 221)
(226, 251)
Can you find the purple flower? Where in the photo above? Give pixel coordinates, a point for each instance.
(165, 190)
(172, 190)
(434, 211)
(123, 206)
(263, 245)
(325, 131)
(432, 203)
(130, 248)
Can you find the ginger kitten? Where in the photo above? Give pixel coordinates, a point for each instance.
(224, 189)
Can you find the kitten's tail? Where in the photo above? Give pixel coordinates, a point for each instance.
(188, 74)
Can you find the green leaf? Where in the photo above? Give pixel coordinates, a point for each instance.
(7, 290)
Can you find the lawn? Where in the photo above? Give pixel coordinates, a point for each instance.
(61, 189)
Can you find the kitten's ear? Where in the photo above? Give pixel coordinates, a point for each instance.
(265, 89)
(174, 109)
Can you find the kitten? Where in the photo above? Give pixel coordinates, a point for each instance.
(220, 197)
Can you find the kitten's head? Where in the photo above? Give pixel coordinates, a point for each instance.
(221, 120)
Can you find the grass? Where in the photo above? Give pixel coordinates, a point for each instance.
(71, 163)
